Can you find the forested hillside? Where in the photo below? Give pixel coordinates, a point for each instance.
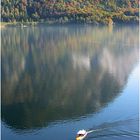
(70, 11)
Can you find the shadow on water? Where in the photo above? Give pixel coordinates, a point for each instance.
(52, 74)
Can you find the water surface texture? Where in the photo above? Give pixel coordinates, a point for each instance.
(59, 79)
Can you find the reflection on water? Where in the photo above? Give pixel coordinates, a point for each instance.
(52, 74)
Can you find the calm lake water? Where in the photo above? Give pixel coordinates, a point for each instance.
(57, 80)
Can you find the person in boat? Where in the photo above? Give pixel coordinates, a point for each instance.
(81, 135)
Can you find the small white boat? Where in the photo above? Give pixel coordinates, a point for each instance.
(81, 134)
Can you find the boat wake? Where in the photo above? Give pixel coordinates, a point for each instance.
(124, 129)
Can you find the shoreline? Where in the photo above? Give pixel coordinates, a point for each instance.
(24, 24)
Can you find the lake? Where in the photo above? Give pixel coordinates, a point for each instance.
(56, 80)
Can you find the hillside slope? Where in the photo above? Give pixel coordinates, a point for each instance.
(70, 11)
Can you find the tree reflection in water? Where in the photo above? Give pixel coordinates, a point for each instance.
(61, 73)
